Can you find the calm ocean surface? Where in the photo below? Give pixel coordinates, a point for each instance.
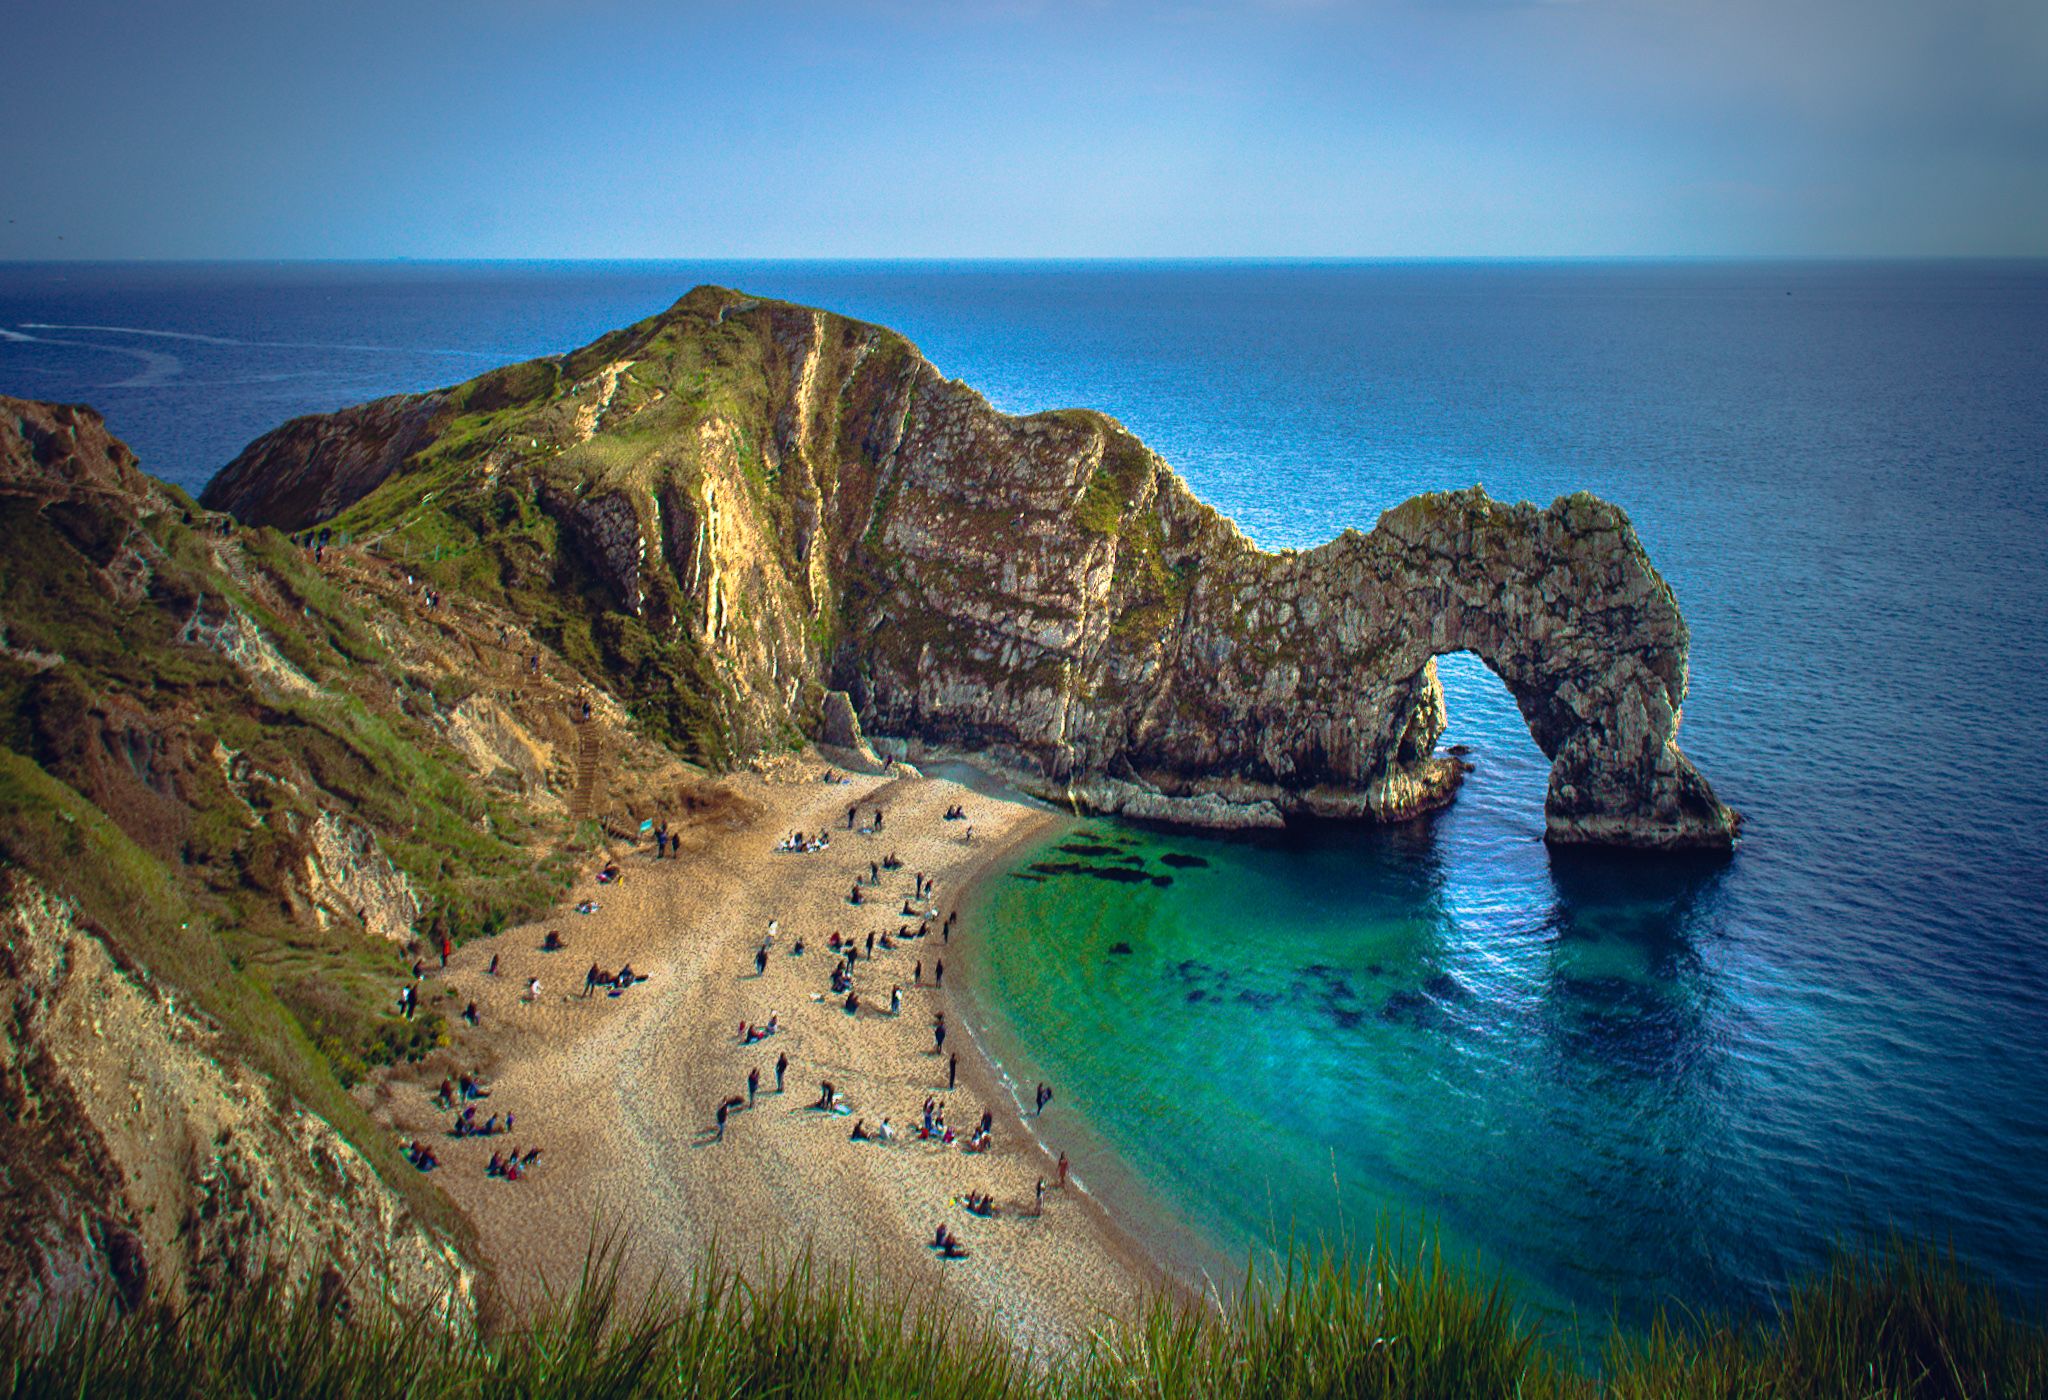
(1621, 1080)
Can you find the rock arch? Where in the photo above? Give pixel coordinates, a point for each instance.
(1565, 607)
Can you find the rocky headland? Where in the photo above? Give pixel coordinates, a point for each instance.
(740, 511)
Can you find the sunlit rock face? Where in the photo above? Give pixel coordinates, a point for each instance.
(786, 503)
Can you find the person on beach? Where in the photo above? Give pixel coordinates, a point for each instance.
(760, 962)
(885, 1134)
(850, 814)
(860, 1130)
(533, 989)
(917, 974)
(753, 1084)
(825, 1094)
(939, 1034)
(878, 821)
(492, 970)
(781, 1067)
(952, 1071)
(447, 947)
(469, 1013)
(722, 1110)
(939, 973)
(1038, 1207)
(591, 979)
(1044, 1097)
(853, 896)
(1063, 1171)
(896, 1000)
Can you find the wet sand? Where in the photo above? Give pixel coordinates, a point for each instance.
(620, 1092)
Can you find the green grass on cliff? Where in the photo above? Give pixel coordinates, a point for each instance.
(137, 906)
(1905, 1321)
(129, 720)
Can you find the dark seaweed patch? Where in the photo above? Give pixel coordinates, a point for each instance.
(1445, 987)
(1412, 1008)
(1162, 881)
(1183, 862)
(1020, 875)
(1262, 1000)
(1198, 995)
(1087, 848)
(1121, 874)
(1346, 1018)
(1123, 949)
(1373, 969)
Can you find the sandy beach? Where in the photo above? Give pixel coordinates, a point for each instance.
(620, 1092)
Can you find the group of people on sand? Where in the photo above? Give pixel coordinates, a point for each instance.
(610, 983)
(797, 843)
(512, 1165)
(466, 1126)
(465, 1088)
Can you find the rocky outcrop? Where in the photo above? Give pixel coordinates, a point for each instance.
(140, 1157)
(313, 466)
(828, 512)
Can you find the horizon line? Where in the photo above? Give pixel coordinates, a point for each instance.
(1104, 260)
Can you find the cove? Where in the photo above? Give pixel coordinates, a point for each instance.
(1555, 1058)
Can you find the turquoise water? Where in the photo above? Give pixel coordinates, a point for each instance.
(1569, 1066)
(1623, 1080)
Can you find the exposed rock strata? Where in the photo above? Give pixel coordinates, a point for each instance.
(138, 1155)
(779, 502)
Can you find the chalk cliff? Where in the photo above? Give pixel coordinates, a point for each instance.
(734, 508)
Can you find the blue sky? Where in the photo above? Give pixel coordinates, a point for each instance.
(1106, 128)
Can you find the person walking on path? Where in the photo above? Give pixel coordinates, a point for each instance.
(753, 1084)
(781, 1067)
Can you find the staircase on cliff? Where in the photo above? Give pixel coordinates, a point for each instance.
(583, 797)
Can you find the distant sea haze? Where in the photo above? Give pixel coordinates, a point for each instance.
(1622, 1079)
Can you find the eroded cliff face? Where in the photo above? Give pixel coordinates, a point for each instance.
(753, 503)
(139, 1155)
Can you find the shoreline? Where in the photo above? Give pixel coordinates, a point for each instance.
(618, 1090)
(1135, 1210)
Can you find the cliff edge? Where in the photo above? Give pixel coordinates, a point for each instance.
(735, 508)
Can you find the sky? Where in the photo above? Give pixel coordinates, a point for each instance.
(1020, 128)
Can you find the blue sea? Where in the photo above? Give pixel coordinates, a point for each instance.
(1622, 1081)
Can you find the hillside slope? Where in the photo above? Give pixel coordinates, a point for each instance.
(242, 790)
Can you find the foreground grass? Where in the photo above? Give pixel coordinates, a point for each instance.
(1904, 1320)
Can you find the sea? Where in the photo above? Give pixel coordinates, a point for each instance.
(1621, 1083)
